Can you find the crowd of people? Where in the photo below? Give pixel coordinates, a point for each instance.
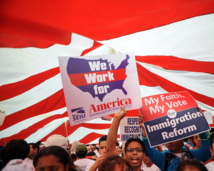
(57, 154)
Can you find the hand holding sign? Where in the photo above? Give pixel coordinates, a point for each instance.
(141, 121)
(112, 134)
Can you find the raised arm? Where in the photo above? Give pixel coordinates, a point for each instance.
(157, 157)
(112, 134)
(141, 121)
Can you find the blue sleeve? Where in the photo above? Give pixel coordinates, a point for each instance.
(203, 153)
(185, 148)
(156, 157)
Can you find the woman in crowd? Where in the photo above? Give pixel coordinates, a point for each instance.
(196, 141)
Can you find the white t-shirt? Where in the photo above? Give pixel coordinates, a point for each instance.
(210, 166)
(88, 167)
(82, 163)
(29, 163)
(97, 153)
(152, 168)
(16, 165)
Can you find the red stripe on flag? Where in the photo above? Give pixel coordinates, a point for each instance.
(94, 125)
(175, 63)
(95, 45)
(33, 128)
(168, 85)
(89, 20)
(58, 130)
(90, 137)
(54, 102)
(145, 78)
(61, 130)
(98, 77)
(11, 90)
(99, 126)
(212, 125)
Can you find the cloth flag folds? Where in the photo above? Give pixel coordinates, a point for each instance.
(173, 43)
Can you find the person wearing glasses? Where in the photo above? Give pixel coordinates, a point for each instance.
(134, 148)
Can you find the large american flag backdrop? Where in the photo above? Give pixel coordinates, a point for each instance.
(173, 42)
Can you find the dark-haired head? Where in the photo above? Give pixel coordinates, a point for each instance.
(34, 145)
(34, 148)
(102, 145)
(61, 155)
(134, 140)
(15, 149)
(73, 157)
(113, 163)
(191, 165)
(134, 152)
(103, 138)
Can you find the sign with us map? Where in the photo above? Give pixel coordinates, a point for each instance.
(96, 86)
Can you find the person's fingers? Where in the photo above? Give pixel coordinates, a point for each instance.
(123, 110)
(140, 119)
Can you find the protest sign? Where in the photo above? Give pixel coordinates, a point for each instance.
(129, 128)
(172, 116)
(97, 86)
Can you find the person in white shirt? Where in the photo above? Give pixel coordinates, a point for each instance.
(94, 149)
(13, 155)
(34, 148)
(82, 161)
(147, 165)
(92, 166)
